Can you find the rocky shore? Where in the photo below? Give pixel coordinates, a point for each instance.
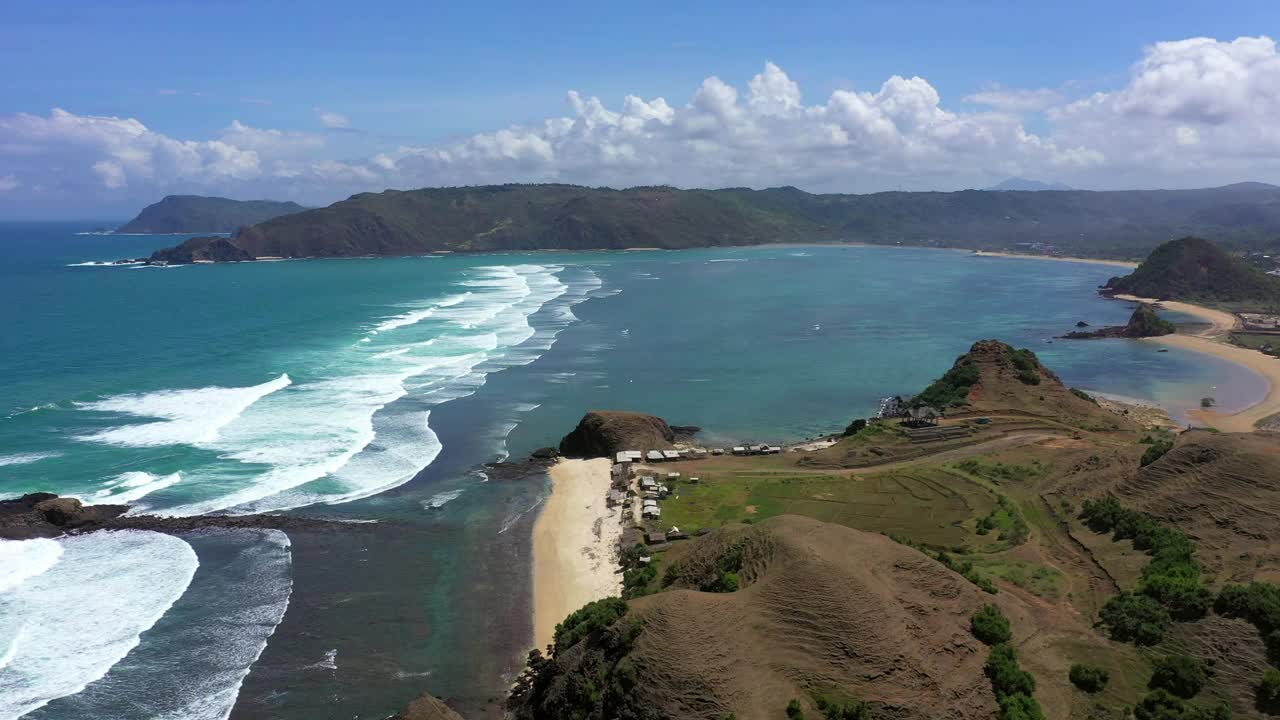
(1143, 323)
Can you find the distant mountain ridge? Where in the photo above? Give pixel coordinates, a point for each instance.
(199, 214)
(1196, 270)
(1021, 183)
(531, 217)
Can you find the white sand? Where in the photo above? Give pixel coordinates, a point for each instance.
(575, 542)
(1059, 258)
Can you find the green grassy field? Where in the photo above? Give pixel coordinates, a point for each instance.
(928, 505)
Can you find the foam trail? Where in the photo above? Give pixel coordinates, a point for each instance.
(67, 626)
(26, 458)
(189, 416)
(132, 486)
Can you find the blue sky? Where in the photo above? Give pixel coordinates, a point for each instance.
(430, 74)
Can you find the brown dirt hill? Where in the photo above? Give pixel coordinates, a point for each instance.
(1015, 380)
(1221, 489)
(603, 433)
(823, 609)
(426, 708)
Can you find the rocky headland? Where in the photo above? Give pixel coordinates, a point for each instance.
(1143, 323)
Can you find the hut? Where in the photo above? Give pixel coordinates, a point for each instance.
(921, 417)
(648, 483)
(656, 537)
(717, 451)
(622, 457)
(670, 455)
(654, 456)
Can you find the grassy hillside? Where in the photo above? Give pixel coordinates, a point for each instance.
(197, 214)
(1196, 270)
(523, 217)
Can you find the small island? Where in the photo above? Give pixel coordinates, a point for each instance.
(1142, 324)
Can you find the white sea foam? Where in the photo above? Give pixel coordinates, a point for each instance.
(21, 561)
(26, 458)
(188, 416)
(439, 500)
(65, 627)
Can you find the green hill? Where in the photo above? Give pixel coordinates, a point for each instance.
(524, 217)
(1196, 270)
(197, 214)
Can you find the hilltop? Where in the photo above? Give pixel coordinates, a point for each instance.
(1195, 270)
(1021, 183)
(570, 217)
(198, 214)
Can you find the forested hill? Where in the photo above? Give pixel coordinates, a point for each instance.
(522, 217)
(197, 214)
(1197, 270)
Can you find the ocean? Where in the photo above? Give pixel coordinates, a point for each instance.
(374, 391)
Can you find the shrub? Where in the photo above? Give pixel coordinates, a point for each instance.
(854, 427)
(1089, 678)
(1269, 692)
(1160, 705)
(1135, 618)
(1020, 707)
(990, 625)
(794, 711)
(1155, 452)
(1083, 395)
(590, 618)
(851, 710)
(1179, 674)
(1005, 675)
(950, 389)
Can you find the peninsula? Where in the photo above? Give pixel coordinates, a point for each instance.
(1121, 224)
(180, 214)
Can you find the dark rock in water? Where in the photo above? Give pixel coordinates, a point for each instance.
(603, 433)
(685, 433)
(426, 708)
(1082, 324)
(1143, 323)
(45, 515)
(546, 453)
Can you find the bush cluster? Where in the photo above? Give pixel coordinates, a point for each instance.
(1135, 618)
(794, 711)
(851, 710)
(854, 427)
(950, 389)
(1259, 603)
(1172, 577)
(1156, 451)
(1013, 686)
(990, 625)
(1084, 395)
(1162, 705)
(1089, 678)
(1269, 692)
(590, 618)
(1024, 361)
(1179, 674)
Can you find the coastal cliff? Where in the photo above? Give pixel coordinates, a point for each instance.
(603, 433)
(569, 217)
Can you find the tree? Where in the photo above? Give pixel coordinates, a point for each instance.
(854, 427)
(1089, 678)
(1179, 674)
(990, 625)
(1020, 707)
(1005, 675)
(1135, 618)
(794, 711)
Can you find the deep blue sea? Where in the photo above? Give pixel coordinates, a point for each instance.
(376, 390)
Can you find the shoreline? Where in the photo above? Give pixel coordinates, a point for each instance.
(575, 545)
(1056, 258)
(1214, 340)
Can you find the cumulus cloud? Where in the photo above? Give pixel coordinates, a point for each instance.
(1192, 112)
(8, 182)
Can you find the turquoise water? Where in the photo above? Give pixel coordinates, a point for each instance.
(375, 389)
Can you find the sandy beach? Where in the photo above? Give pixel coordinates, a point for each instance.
(1058, 258)
(574, 545)
(1214, 340)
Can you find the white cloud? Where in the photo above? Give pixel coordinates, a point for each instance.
(1191, 113)
(333, 120)
(1015, 100)
(8, 182)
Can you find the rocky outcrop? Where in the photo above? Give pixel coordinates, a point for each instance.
(427, 708)
(1143, 323)
(603, 433)
(45, 515)
(202, 249)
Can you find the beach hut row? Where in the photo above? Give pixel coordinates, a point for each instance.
(756, 450)
(632, 456)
